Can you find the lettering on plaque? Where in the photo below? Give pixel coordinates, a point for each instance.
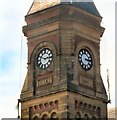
(43, 82)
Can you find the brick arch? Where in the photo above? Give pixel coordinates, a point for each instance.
(87, 45)
(94, 118)
(41, 106)
(93, 51)
(54, 114)
(94, 108)
(35, 116)
(89, 107)
(85, 106)
(99, 112)
(78, 116)
(45, 115)
(44, 44)
(86, 116)
(46, 105)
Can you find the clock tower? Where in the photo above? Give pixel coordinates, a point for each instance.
(63, 78)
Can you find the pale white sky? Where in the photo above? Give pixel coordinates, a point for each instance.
(12, 14)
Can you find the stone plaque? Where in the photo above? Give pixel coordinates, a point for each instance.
(44, 82)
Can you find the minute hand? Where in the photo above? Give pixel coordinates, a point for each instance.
(45, 58)
(87, 60)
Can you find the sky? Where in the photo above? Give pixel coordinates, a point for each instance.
(13, 51)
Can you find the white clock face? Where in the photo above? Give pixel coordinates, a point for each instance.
(44, 58)
(85, 59)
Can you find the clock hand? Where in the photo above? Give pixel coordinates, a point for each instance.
(45, 58)
(87, 60)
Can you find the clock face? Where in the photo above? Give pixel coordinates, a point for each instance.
(44, 58)
(85, 59)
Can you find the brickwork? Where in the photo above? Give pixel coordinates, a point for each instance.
(112, 112)
(64, 89)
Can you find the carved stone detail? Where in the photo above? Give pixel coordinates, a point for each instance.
(87, 108)
(48, 106)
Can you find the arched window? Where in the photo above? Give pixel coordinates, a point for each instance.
(86, 117)
(35, 118)
(54, 115)
(89, 107)
(56, 102)
(98, 112)
(78, 116)
(44, 117)
(85, 106)
(80, 105)
(46, 105)
(94, 118)
(51, 103)
(94, 108)
(41, 106)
